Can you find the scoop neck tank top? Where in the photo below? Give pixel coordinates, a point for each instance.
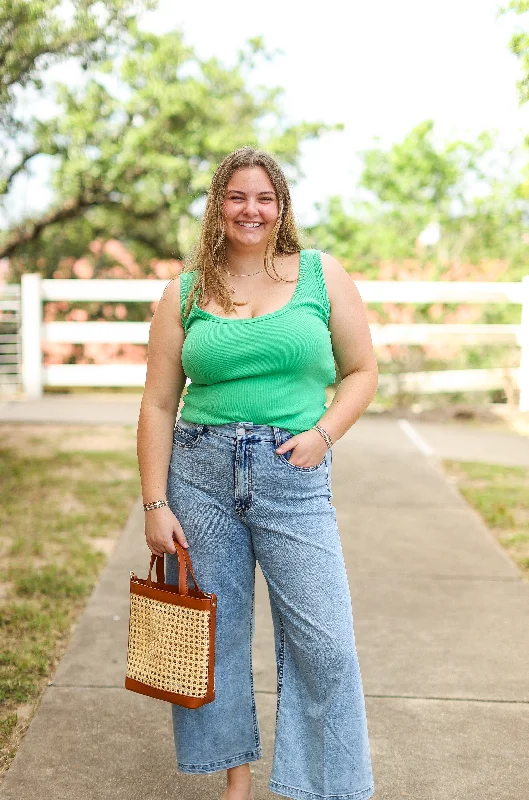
(272, 369)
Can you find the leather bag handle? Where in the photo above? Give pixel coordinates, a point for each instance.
(184, 564)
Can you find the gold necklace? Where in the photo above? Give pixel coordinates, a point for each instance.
(248, 275)
(242, 274)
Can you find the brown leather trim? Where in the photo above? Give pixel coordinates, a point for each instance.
(167, 594)
(210, 693)
(184, 564)
(170, 697)
(172, 588)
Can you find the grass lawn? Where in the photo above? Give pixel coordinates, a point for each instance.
(501, 496)
(66, 495)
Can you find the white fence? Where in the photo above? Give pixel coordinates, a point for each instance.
(36, 290)
(10, 345)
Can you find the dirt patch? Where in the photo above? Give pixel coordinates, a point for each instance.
(70, 505)
(25, 711)
(104, 545)
(40, 441)
(5, 589)
(115, 439)
(117, 474)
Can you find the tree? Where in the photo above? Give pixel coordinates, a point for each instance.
(35, 35)
(519, 45)
(135, 147)
(468, 189)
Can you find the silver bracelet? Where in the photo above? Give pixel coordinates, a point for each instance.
(155, 504)
(323, 433)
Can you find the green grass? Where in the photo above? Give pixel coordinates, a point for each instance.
(52, 508)
(501, 496)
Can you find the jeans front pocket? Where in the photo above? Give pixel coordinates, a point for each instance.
(187, 434)
(281, 435)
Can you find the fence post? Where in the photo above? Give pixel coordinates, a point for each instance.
(30, 329)
(524, 342)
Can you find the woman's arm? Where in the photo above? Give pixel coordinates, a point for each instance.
(353, 351)
(164, 385)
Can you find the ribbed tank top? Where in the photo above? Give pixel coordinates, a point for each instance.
(270, 370)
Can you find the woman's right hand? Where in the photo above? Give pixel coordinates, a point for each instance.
(161, 528)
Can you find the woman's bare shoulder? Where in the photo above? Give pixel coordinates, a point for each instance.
(169, 304)
(337, 279)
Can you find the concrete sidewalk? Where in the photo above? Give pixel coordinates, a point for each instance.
(442, 628)
(470, 443)
(92, 408)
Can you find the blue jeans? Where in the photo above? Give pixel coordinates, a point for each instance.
(238, 501)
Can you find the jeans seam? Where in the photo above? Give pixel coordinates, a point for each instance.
(250, 484)
(281, 665)
(252, 692)
(297, 468)
(193, 441)
(257, 437)
(328, 482)
(239, 507)
(303, 794)
(224, 762)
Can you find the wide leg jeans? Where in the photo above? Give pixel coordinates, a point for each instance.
(239, 501)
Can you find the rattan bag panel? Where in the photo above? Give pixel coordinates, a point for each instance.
(168, 646)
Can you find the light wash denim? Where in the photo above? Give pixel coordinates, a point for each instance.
(238, 501)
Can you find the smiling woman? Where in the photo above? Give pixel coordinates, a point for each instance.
(251, 206)
(257, 323)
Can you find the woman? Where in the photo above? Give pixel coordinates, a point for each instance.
(257, 324)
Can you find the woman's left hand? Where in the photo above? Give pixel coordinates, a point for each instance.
(309, 448)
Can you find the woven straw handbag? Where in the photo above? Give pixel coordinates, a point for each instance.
(171, 644)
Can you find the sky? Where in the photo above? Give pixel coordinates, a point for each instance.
(379, 68)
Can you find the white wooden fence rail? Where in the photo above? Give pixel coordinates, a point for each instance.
(36, 290)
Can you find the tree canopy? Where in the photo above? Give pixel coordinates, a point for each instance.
(35, 34)
(469, 191)
(135, 146)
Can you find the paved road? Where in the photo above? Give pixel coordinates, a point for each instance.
(73, 409)
(442, 628)
(468, 442)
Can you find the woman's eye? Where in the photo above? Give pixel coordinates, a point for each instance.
(241, 200)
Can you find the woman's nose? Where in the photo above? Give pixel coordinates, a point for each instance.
(250, 207)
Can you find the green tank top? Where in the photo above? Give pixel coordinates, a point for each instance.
(270, 370)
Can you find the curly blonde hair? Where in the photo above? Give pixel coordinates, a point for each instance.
(209, 256)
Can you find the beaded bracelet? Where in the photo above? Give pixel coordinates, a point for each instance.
(155, 504)
(323, 433)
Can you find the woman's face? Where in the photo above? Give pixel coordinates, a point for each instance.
(251, 207)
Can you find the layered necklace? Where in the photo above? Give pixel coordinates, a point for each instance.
(249, 274)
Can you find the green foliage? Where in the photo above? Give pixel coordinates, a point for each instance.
(7, 726)
(519, 46)
(497, 493)
(463, 187)
(51, 581)
(35, 34)
(134, 148)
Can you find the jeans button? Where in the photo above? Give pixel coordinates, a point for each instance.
(240, 431)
